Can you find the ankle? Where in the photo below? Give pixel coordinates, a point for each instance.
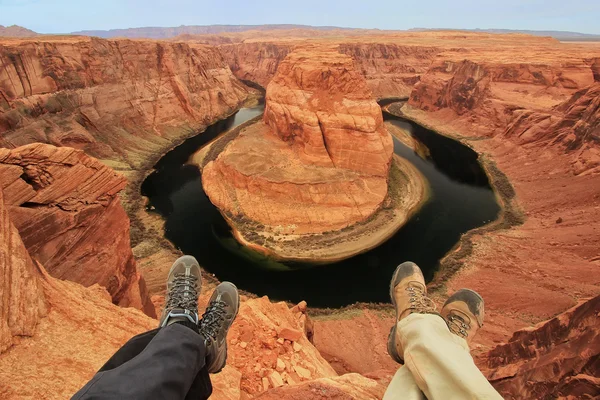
(189, 324)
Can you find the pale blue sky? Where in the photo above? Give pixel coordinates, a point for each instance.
(61, 16)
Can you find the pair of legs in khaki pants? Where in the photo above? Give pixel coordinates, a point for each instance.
(434, 348)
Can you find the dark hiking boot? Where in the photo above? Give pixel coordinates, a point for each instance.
(215, 323)
(409, 295)
(463, 313)
(183, 288)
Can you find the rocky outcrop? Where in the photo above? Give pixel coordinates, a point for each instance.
(119, 100)
(269, 346)
(66, 207)
(557, 358)
(318, 163)
(22, 300)
(345, 387)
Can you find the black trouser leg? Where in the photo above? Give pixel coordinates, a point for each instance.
(166, 363)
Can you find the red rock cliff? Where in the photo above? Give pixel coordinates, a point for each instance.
(66, 208)
(23, 302)
(256, 62)
(391, 69)
(121, 100)
(557, 358)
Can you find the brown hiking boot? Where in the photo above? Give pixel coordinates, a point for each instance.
(409, 295)
(463, 313)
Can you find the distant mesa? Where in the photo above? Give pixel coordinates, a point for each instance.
(170, 32)
(16, 31)
(310, 182)
(189, 31)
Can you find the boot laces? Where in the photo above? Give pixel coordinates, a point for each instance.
(183, 294)
(458, 325)
(419, 302)
(212, 319)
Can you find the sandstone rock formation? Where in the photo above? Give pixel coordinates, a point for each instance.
(557, 358)
(318, 163)
(66, 207)
(124, 102)
(23, 302)
(120, 100)
(321, 106)
(345, 387)
(573, 125)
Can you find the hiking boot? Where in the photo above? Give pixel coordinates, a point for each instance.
(183, 287)
(409, 295)
(463, 313)
(215, 323)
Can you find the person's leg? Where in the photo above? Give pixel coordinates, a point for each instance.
(129, 350)
(407, 281)
(168, 362)
(174, 360)
(438, 360)
(403, 386)
(165, 369)
(201, 387)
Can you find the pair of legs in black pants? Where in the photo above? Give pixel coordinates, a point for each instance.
(164, 363)
(172, 362)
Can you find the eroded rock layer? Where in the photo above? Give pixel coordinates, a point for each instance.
(66, 208)
(120, 100)
(390, 69)
(557, 358)
(23, 302)
(320, 159)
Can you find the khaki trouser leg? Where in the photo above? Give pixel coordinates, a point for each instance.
(403, 386)
(439, 361)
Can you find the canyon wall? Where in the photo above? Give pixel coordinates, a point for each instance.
(118, 100)
(490, 96)
(256, 62)
(391, 69)
(23, 302)
(556, 358)
(66, 207)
